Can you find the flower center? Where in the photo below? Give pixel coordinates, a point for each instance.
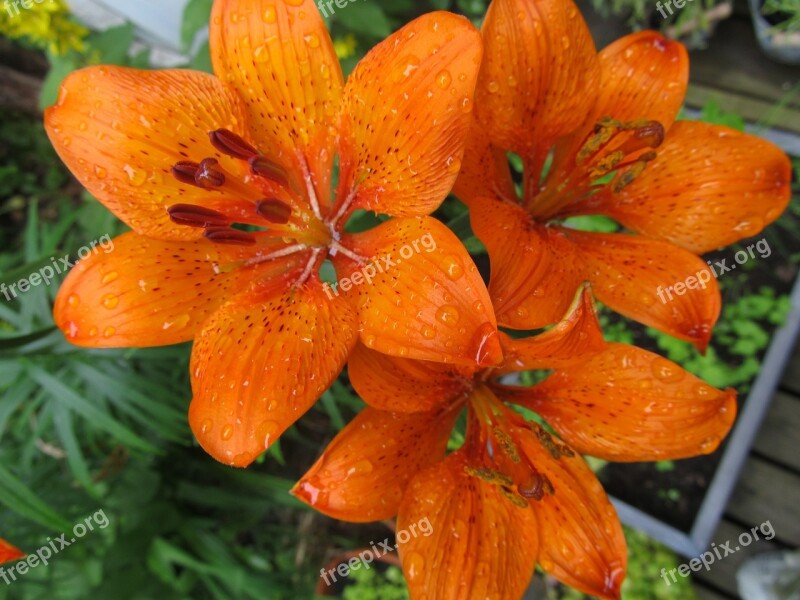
(611, 158)
(264, 207)
(496, 451)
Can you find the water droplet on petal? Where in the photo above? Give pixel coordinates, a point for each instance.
(414, 565)
(444, 79)
(666, 371)
(110, 301)
(109, 277)
(227, 432)
(448, 314)
(267, 431)
(73, 300)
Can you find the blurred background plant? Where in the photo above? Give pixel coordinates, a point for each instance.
(83, 430)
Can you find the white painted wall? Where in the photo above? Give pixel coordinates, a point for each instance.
(157, 22)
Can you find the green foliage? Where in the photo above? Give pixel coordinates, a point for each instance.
(374, 585)
(741, 332)
(788, 11)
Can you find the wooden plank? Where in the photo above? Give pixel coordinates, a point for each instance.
(791, 376)
(734, 62)
(778, 438)
(721, 574)
(751, 109)
(767, 493)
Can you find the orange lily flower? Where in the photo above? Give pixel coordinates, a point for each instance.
(182, 156)
(607, 121)
(9, 553)
(513, 494)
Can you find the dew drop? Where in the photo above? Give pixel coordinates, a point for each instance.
(109, 331)
(466, 105)
(448, 314)
(666, 371)
(136, 177)
(206, 426)
(110, 301)
(414, 565)
(428, 332)
(453, 164)
(362, 467)
(100, 172)
(109, 277)
(267, 431)
(269, 15)
(227, 432)
(453, 268)
(312, 40)
(444, 79)
(492, 87)
(73, 300)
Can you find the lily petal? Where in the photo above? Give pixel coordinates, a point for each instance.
(405, 116)
(581, 542)
(136, 293)
(121, 130)
(485, 171)
(9, 553)
(402, 384)
(628, 404)
(535, 269)
(480, 544)
(631, 273)
(708, 187)
(279, 57)
(539, 76)
(570, 342)
(260, 362)
(643, 76)
(365, 470)
(418, 293)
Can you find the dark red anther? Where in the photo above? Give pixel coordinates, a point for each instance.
(652, 133)
(232, 144)
(228, 235)
(185, 171)
(263, 167)
(196, 216)
(209, 175)
(274, 211)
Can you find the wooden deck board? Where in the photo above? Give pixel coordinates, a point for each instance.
(766, 492)
(778, 436)
(722, 572)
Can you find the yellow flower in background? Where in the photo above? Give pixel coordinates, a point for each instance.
(47, 25)
(345, 47)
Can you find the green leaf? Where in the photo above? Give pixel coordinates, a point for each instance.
(89, 411)
(365, 17)
(113, 44)
(195, 17)
(19, 498)
(60, 67)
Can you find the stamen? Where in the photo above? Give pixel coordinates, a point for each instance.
(228, 235)
(489, 476)
(208, 175)
(274, 210)
(263, 167)
(232, 144)
(185, 171)
(196, 216)
(515, 499)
